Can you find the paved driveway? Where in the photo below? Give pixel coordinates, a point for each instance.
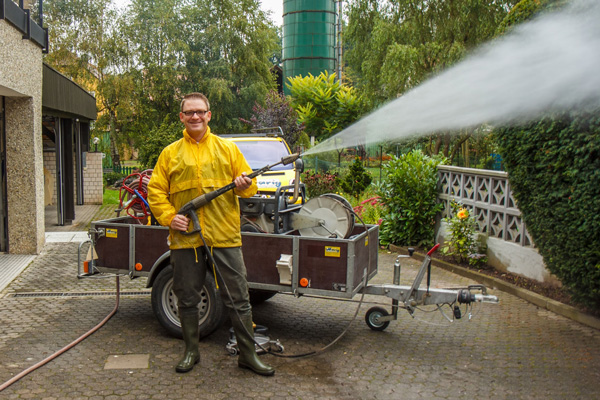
(512, 350)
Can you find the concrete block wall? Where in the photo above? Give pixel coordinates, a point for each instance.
(50, 177)
(93, 179)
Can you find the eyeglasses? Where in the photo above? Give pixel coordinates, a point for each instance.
(200, 113)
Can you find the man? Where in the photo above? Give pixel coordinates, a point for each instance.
(199, 163)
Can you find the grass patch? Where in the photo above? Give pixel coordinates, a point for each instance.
(110, 197)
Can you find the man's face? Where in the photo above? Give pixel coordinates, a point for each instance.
(195, 124)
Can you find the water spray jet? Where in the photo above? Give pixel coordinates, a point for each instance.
(548, 64)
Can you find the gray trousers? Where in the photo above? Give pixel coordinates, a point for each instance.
(189, 277)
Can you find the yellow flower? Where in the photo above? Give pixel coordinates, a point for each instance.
(462, 213)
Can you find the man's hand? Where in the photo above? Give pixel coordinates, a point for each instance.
(180, 223)
(242, 182)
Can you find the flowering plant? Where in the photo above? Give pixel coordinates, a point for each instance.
(462, 244)
(369, 210)
(318, 183)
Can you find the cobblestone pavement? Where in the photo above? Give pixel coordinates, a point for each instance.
(512, 350)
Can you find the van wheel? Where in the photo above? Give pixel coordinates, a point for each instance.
(164, 305)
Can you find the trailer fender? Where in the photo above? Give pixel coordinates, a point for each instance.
(158, 266)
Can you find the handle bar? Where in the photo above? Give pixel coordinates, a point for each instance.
(433, 249)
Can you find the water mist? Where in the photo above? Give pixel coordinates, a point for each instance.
(549, 63)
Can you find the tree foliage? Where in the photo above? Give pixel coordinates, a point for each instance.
(85, 44)
(140, 62)
(356, 180)
(324, 105)
(393, 46)
(158, 139)
(277, 112)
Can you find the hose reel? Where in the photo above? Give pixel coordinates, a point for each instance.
(133, 194)
(331, 216)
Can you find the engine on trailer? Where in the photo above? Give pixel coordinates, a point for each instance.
(329, 215)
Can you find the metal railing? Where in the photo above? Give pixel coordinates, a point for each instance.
(488, 197)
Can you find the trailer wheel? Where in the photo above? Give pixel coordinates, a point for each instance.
(164, 305)
(372, 318)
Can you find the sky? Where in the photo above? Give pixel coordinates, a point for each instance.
(275, 6)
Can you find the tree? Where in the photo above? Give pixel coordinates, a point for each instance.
(324, 106)
(393, 46)
(86, 46)
(357, 180)
(152, 30)
(277, 112)
(227, 56)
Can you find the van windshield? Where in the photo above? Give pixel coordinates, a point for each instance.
(262, 153)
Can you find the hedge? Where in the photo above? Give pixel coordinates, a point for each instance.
(554, 171)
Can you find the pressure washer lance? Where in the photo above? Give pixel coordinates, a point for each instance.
(189, 209)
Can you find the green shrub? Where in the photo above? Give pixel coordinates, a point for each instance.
(111, 177)
(318, 183)
(554, 170)
(357, 180)
(409, 192)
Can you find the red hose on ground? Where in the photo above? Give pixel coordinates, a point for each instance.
(64, 349)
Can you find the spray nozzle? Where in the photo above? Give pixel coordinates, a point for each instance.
(290, 159)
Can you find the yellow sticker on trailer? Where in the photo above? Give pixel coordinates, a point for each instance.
(331, 251)
(367, 241)
(111, 233)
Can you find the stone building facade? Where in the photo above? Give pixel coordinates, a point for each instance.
(22, 169)
(37, 105)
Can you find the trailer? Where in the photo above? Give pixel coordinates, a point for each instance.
(290, 246)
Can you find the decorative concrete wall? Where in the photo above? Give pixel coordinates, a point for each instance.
(21, 84)
(488, 197)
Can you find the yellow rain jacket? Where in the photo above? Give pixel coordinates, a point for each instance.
(186, 170)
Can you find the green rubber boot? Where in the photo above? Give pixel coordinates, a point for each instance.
(248, 357)
(189, 327)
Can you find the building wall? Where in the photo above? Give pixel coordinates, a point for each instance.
(50, 178)
(21, 84)
(93, 179)
(93, 185)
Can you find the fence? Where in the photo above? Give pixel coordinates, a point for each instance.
(488, 197)
(120, 170)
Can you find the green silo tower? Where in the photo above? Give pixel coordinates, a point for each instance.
(309, 38)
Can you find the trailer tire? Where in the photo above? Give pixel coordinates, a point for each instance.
(164, 305)
(372, 318)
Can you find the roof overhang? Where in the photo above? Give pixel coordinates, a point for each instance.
(63, 96)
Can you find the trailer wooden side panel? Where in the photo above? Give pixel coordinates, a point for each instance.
(261, 254)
